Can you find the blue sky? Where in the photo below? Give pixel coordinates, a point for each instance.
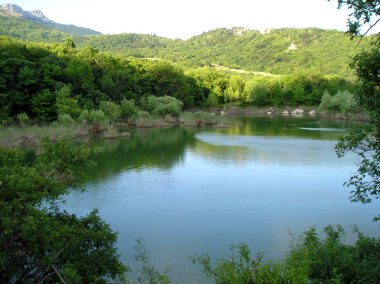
(185, 18)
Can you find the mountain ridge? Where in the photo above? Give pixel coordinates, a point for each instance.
(37, 16)
(277, 51)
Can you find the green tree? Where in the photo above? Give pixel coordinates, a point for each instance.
(40, 243)
(128, 109)
(65, 104)
(365, 141)
(110, 109)
(43, 105)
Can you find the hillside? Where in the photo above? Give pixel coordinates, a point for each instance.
(13, 12)
(280, 51)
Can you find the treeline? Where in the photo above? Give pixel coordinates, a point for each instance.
(33, 75)
(36, 77)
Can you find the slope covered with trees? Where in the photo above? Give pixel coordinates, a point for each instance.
(280, 51)
(34, 77)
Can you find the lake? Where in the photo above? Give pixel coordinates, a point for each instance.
(187, 191)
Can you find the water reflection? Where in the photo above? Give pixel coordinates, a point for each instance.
(149, 148)
(187, 191)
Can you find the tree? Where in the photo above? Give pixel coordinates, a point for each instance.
(365, 141)
(38, 242)
(65, 104)
(363, 14)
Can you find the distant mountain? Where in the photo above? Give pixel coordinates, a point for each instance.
(37, 16)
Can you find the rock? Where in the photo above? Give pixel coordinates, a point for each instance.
(313, 112)
(222, 113)
(285, 112)
(299, 111)
(294, 112)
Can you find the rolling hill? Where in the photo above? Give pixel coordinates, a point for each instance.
(277, 51)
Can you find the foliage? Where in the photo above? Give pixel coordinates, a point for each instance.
(212, 101)
(65, 104)
(341, 102)
(362, 14)
(110, 109)
(149, 274)
(43, 105)
(39, 242)
(311, 259)
(23, 119)
(161, 106)
(65, 119)
(128, 109)
(250, 50)
(98, 120)
(365, 141)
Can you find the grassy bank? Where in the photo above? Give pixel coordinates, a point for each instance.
(16, 136)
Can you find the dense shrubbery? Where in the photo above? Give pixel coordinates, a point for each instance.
(311, 259)
(341, 102)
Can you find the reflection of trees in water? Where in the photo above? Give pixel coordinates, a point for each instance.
(287, 126)
(155, 148)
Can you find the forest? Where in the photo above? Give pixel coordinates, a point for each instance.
(38, 77)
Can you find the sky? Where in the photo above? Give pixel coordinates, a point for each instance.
(186, 18)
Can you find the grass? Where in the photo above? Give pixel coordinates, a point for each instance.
(31, 135)
(197, 119)
(15, 136)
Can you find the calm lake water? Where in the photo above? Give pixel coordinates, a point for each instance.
(192, 191)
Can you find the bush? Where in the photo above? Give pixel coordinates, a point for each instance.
(23, 119)
(311, 259)
(161, 106)
(128, 109)
(341, 102)
(144, 119)
(98, 120)
(65, 119)
(84, 116)
(110, 109)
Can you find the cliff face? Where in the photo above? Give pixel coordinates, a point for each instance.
(36, 15)
(12, 10)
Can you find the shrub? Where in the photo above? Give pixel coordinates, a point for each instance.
(311, 259)
(84, 116)
(65, 119)
(128, 109)
(161, 106)
(340, 102)
(98, 120)
(110, 109)
(23, 119)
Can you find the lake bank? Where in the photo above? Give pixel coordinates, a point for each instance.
(15, 136)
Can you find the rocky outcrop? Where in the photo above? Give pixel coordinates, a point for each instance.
(35, 15)
(12, 10)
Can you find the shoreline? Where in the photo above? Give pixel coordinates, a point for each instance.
(31, 135)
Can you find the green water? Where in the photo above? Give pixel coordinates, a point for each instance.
(188, 191)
